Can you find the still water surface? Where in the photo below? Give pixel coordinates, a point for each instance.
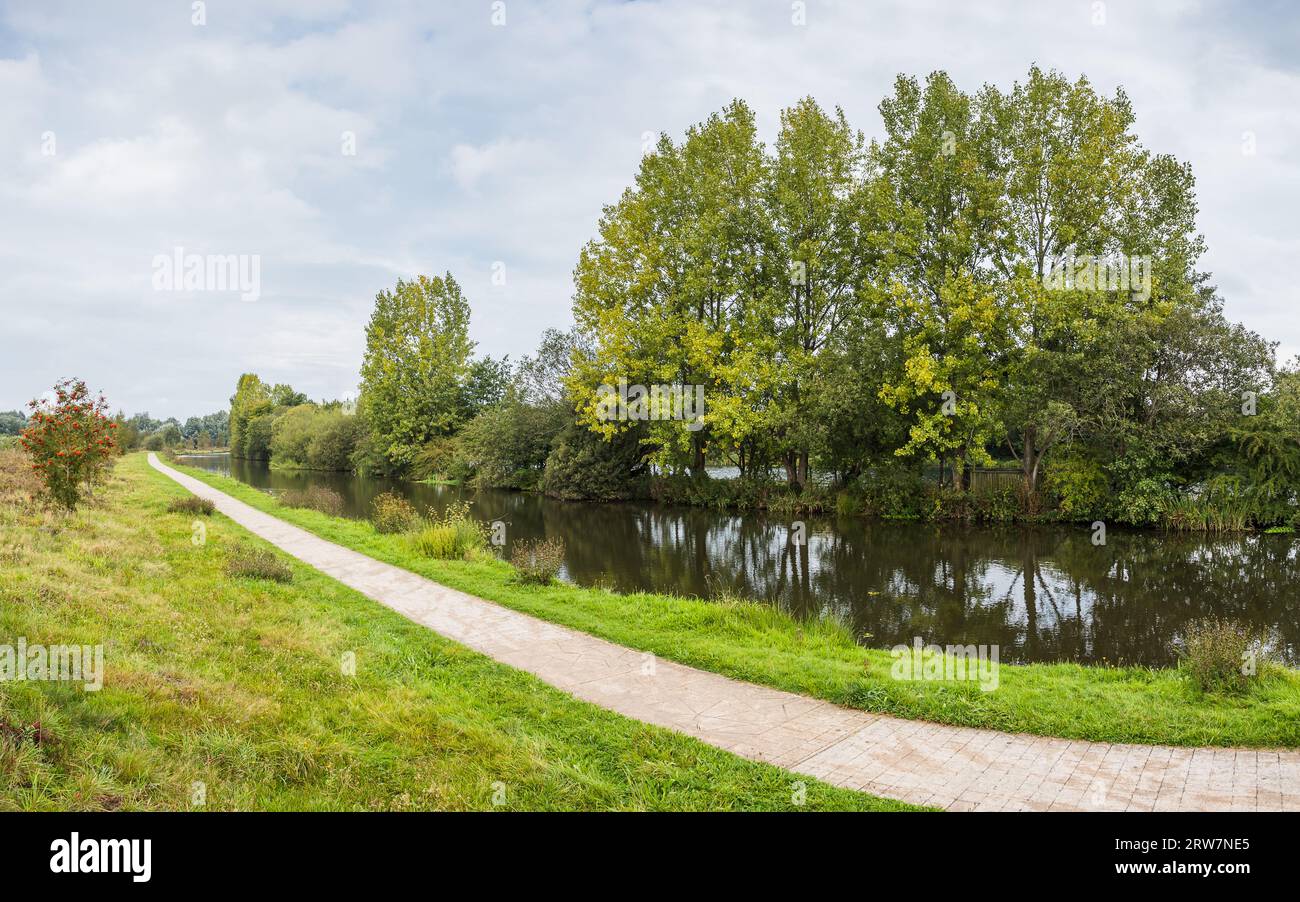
(1041, 594)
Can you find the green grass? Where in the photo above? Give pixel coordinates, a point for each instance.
(239, 683)
(760, 644)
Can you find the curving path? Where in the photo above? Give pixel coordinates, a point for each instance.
(957, 768)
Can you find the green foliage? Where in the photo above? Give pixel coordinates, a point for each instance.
(1266, 450)
(314, 497)
(334, 441)
(728, 267)
(1221, 656)
(250, 562)
(368, 457)
(486, 383)
(440, 459)
(585, 466)
(843, 304)
(896, 492)
(745, 493)
(507, 445)
(12, 422)
(252, 399)
(314, 438)
(1078, 484)
(291, 433)
(1145, 489)
(259, 434)
(848, 504)
(279, 424)
(416, 365)
(391, 513)
(191, 504)
(210, 431)
(453, 536)
(998, 504)
(537, 561)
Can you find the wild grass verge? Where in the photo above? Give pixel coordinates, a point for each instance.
(238, 685)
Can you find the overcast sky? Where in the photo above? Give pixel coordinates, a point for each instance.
(127, 131)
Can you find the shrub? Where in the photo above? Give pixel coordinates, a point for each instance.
(1221, 655)
(191, 504)
(896, 492)
(848, 503)
(313, 437)
(998, 504)
(454, 536)
(291, 433)
(538, 561)
(393, 513)
(507, 445)
(336, 439)
(584, 466)
(440, 460)
(1078, 486)
(257, 563)
(69, 442)
(315, 497)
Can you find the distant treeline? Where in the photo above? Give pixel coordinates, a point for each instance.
(143, 431)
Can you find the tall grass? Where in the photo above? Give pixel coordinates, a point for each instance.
(191, 504)
(390, 512)
(1213, 516)
(453, 536)
(249, 562)
(538, 561)
(1222, 655)
(314, 497)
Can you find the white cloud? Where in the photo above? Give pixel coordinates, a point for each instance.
(478, 144)
(470, 164)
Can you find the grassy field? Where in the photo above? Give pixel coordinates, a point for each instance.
(757, 643)
(238, 684)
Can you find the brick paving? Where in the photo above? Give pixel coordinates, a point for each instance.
(957, 768)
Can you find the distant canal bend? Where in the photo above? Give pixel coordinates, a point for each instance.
(1041, 594)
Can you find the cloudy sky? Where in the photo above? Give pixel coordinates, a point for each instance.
(127, 131)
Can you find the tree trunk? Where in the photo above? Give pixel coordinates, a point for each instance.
(697, 464)
(1029, 462)
(961, 471)
(791, 473)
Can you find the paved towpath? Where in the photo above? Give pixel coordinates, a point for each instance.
(957, 768)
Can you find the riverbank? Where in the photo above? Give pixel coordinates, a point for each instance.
(229, 693)
(760, 644)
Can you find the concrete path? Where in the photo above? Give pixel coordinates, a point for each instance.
(956, 768)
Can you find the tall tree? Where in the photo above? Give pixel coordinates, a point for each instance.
(940, 298)
(416, 362)
(825, 216)
(662, 292)
(252, 399)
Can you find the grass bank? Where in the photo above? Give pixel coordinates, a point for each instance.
(238, 684)
(759, 644)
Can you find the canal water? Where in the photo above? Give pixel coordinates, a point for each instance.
(1041, 593)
